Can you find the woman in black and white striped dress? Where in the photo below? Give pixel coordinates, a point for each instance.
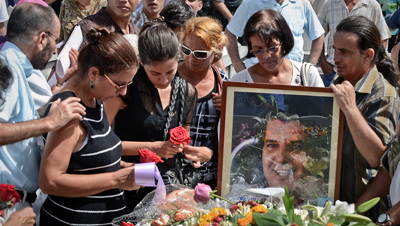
(81, 169)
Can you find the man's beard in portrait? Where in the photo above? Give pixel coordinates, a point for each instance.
(41, 59)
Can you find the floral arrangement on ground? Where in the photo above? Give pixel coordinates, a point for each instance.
(197, 208)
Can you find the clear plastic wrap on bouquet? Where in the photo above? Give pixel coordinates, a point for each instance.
(179, 198)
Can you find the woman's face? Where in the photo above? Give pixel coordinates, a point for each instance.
(272, 55)
(194, 64)
(116, 84)
(161, 73)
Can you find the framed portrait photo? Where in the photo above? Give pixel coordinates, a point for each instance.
(272, 136)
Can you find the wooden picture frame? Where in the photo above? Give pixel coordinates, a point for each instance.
(248, 151)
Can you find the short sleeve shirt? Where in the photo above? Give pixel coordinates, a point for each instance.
(20, 161)
(231, 3)
(298, 14)
(379, 104)
(334, 11)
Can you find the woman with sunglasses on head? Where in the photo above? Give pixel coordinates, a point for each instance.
(81, 168)
(157, 101)
(269, 38)
(202, 44)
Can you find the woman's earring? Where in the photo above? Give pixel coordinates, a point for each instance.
(91, 85)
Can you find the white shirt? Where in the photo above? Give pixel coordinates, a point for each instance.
(314, 77)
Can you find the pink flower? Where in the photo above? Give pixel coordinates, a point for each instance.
(202, 193)
(164, 218)
(157, 222)
(216, 219)
(233, 208)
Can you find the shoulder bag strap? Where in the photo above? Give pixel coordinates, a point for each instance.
(219, 79)
(304, 73)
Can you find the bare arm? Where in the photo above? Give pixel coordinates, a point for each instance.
(223, 10)
(378, 188)
(326, 67)
(53, 178)
(24, 217)
(164, 149)
(3, 30)
(316, 48)
(394, 214)
(60, 114)
(234, 52)
(366, 140)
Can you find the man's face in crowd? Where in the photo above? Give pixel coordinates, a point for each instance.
(350, 62)
(195, 4)
(122, 8)
(153, 6)
(40, 59)
(283, 153)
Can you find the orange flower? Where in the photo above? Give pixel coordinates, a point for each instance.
(204, 224)
(243, 222)
(331, 224)
(321, 133)
(249, 217)
(213, 214)
(221, 211)
(207, 218)
(259, 209)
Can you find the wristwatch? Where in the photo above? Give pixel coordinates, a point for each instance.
(384, 219)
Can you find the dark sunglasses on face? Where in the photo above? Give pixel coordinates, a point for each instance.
(199, 54)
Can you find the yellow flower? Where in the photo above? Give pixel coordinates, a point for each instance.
(203, 224)
(243, 222)
(213, 214)
(259, 209)
(249, 217)
(221, 211)
(207, 218)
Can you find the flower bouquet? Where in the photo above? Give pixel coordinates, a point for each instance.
(8, 197)
(179, 208)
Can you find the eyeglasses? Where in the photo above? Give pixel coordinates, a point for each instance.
(199, 54)
(117, 87)
(270, 50)
(56, 38)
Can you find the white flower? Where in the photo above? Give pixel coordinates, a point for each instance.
(342, 207)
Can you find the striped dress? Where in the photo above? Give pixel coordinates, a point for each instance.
(101, 154)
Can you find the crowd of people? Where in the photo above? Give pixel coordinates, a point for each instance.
(69, 144)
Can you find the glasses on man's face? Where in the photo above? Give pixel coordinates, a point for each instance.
(270, 50)
(55, 37)
(199, 54)
(117, 87)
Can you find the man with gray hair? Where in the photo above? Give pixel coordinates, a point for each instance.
(32, 32)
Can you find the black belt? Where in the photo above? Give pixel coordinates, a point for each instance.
(30, 197)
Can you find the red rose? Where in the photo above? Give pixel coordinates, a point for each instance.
(8, 192)
(126, 224)
(149, 156)
(179, 135)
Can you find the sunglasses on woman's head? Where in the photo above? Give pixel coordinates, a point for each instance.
(199, 54)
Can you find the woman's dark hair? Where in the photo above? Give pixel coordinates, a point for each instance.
(268, 24)
(109, 52)
(370, 37)
(176, 13)
(157, 43)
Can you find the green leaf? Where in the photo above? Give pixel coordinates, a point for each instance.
(337, 220)
(275, 212)
(351, 217)
(367, 205)
(289, 205)
(235, 218)
(268, 219)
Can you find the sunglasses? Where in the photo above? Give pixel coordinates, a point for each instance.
(117, 87)
(199, 54)
(270, 50)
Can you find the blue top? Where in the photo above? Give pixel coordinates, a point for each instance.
(393, 20)
(19, 162)
(299, 15)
